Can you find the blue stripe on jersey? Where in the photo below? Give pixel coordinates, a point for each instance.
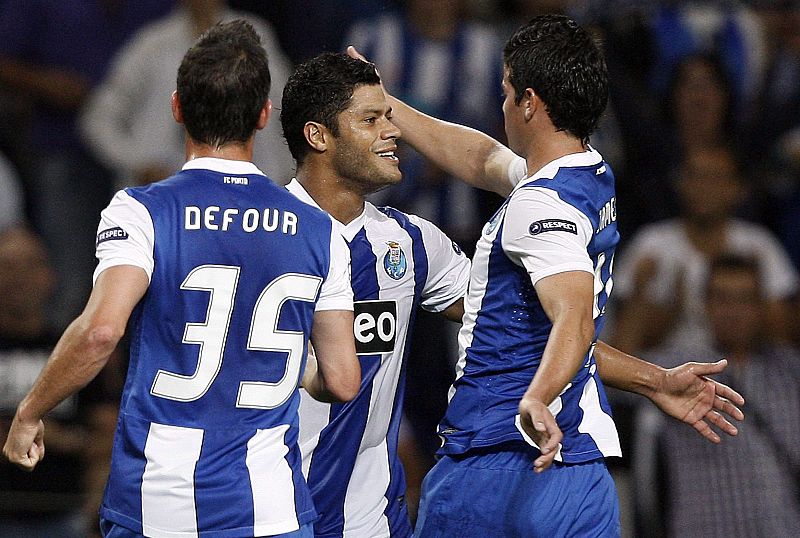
(127, 467)
(398, 519)
(219, 456)
(330, 470)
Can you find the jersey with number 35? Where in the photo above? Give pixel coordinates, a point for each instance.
(562, 218)
(206, 442)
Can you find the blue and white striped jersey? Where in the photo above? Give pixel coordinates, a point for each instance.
(399, 262)
(206, 443)
(563, 218)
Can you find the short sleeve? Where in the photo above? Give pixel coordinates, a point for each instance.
(337, 293)
(125, 235)
(517, 171)
(546, 235)
(448, 268)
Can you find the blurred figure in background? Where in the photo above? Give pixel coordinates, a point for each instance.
(12, 210)
(435, 58)
(53, 52)
(678, 476)
(61, 498)
(127, 121)
(325, 20)
(661, 272)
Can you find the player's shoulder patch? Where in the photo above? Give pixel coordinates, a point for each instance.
(553, 225)
(111, 234)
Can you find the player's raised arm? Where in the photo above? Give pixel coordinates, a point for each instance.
(683, 392)
(466, 153)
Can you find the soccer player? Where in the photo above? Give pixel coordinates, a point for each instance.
(540, 279)
(224, 276)
(338, 127)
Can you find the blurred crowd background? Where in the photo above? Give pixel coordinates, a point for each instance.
(702, 131)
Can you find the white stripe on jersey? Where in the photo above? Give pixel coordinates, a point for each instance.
(168, 481)
(271, 481)
(479, 277)
(372, 465)
(313, 416)
(597, 422)
(361, 504)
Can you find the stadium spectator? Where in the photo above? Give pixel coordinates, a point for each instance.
(57, 500)
(12, 207)
(126, 121)
(53, 52)
(678, 477)
(661, 271)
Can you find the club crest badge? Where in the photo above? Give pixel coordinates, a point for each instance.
(495, 220)
(394, 262)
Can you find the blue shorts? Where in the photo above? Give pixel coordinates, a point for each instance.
(497, 494)
(111, 530)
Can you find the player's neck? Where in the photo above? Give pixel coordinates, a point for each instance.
(544, 150)
(232, 151)
(330, 193)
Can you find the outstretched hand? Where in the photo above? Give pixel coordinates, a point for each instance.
(539, 425)
(688, 395)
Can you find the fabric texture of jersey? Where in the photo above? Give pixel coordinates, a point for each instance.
(206, 442)
(399, 262)
(563, 218)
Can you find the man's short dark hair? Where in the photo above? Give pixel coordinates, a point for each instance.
(319, 90)
(223, 83)
(565, 67)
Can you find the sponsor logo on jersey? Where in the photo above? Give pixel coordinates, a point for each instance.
(111, 234)
(374, 326)
(553, 225)
(394, 262)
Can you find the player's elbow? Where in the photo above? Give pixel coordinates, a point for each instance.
(102, 338)
(346, 383)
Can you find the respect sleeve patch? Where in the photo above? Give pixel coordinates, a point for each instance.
(553, 225)
(111, 234)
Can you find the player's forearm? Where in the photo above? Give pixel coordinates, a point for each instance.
(563, 356)
(462, 152)
(626, 372)
(78, 357)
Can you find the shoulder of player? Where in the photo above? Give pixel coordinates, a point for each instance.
(404, 220)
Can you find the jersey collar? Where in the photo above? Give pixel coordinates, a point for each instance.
(349, 231)
(226, 166)
(590, 157)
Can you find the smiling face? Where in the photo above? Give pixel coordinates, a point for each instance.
(364, 152)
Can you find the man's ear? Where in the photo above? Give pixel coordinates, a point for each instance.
(175, 102)
(266, 113)
(530, 101)
(317, 136)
